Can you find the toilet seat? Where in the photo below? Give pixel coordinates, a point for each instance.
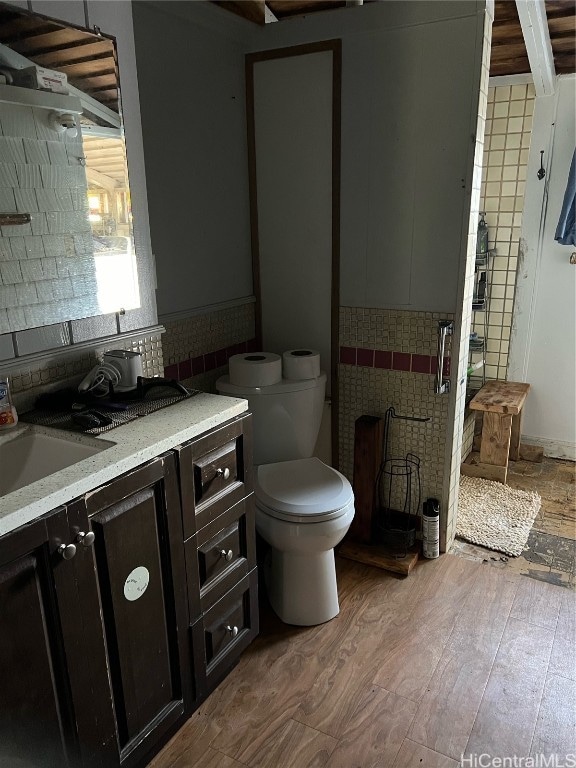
(302, 491)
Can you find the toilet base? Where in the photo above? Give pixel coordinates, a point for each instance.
(302, 589)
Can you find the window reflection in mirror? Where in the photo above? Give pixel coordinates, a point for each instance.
(110, 217)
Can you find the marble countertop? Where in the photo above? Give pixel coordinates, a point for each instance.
(133, 444)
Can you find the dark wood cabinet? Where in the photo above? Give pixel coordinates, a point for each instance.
(141, 578)
(46, 658)
(218, 513)
(121, 611)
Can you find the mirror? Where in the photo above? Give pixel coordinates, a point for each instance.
(66, 236)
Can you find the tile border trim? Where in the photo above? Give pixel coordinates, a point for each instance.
(194, 366)
(389, 360)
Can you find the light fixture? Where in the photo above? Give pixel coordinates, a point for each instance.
(64, 122)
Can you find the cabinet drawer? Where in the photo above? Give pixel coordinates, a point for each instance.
(219, 555)
(215, 473)
(224, 631)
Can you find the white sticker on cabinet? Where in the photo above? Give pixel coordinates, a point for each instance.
(136, 583)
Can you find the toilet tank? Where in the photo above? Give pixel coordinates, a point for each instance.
(286, 416)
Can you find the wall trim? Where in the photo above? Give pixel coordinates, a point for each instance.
(522, 79)
(171, 317)
(555, 449)
(16, 363)
(335, 47)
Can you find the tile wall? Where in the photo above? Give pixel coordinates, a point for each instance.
(385, 356)
(388, 358)
(464, 317)
(468, 433)
(47, 271)
(196, 349)
(506, 145)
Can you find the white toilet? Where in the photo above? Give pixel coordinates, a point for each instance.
(303, 506)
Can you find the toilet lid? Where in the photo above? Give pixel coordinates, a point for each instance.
(306, 489)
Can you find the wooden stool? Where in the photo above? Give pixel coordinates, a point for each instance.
(501, 402)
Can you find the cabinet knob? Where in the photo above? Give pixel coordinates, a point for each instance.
(227, 554)
(225, 473)
(86, 539)
(232, 631)
(67, 551)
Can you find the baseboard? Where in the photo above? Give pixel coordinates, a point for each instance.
(555, 449)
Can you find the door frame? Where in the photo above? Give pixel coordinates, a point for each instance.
(335, 46)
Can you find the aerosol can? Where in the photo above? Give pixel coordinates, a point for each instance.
(431, 528)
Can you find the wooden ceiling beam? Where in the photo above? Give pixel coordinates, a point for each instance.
(513, 67)
(253, 10)
(101, 180)
(503, 52)
(558, 26)
(285, 8)
(565, 63)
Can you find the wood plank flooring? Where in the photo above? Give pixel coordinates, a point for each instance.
(415, 672)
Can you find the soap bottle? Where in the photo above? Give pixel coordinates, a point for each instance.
(8, 414)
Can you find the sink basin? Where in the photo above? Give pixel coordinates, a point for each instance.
(31, 453)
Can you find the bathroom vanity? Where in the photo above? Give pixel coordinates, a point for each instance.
(128, 587)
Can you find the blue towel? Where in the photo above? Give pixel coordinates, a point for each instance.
(566, 229)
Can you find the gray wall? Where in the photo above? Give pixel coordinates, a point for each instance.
(409, 81)
(191, 78)
(408, 86)
(293, 127)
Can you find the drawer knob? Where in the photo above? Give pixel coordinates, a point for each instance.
(224, 473)
(67, 551)
(233, 631)
(86, 539)
(227, 554)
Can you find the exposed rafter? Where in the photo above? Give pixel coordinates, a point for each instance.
(101, 180)
(532, 15)
(253, 10)
(91, 106)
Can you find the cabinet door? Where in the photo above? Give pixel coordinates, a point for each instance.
(34, 695)
(44, 715)
(140, 565)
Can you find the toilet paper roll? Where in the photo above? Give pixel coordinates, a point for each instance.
(255, 369)
(298, 364)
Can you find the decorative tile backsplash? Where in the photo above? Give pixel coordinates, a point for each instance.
(67, 370)
(388, 358)
(197, 348)
(393, 361)
(47, 269)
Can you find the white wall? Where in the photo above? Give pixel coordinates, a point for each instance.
(408, 83)
(293, 130)
(543, 341)
(191, 77)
